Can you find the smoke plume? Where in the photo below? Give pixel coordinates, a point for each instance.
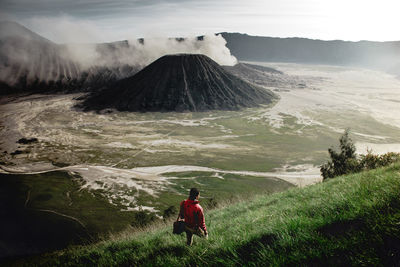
(23, 53)
(144, 51)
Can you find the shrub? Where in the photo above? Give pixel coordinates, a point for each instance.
(212, 203)
(169, 212)
(341, 162)
(346, 161)
(142, 218)
(371, 161)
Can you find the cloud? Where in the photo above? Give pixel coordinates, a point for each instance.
(65, 29)
(80, 51)
(329, 19)
(212, 45)
(73, 33)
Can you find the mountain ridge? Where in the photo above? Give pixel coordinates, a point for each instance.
(14, 29)
(369, 54)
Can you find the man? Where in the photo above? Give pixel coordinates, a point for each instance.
(193, 215)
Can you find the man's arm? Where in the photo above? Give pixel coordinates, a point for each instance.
(181, 214)
(202, 222)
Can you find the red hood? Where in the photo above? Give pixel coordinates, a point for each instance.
(193, 201)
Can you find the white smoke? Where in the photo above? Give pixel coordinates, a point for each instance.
(79, 37)
(84, 54)
(25, 53)
(65, 29)
(213, 46)
(74, 33)
(143, 52)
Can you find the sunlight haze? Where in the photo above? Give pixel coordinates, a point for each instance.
(99, 20)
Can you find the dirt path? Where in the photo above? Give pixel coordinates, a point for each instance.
(64, 215)
(69, 198)
(28, 196)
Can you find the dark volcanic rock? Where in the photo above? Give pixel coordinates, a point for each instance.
(26, 141)
(183, 82)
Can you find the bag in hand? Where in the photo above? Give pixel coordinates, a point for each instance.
(179, 227)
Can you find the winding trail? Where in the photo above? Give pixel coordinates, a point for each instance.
(53, 211)
(143, 149)
(28, 196)
(69, 198)
(64, 215)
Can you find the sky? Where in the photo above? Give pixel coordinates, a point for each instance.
(103, 21)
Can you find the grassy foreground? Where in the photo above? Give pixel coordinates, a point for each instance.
(345, 221)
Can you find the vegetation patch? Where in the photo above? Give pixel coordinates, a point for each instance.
(49, 211)
(347, 221)
(347, 161)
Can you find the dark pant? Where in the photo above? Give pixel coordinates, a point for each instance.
(190, 232)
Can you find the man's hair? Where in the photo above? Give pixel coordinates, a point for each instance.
(194, 192)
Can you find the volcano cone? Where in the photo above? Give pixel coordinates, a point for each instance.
(183, 82)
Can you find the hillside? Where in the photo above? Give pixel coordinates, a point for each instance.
(181, 82)
(31, 63)
(349, 220)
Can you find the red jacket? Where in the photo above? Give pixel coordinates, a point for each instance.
(193, 214)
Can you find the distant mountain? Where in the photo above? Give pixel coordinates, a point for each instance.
(31, 63)
(248, 70)
(13, 29)
(378, 55)
(265, 76)
(183, 82)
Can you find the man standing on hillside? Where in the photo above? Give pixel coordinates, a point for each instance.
(193, 215)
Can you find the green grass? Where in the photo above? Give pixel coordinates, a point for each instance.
(345, 221)
(48, 211)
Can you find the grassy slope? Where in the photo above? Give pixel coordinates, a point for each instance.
(350, 220)
(30, 208)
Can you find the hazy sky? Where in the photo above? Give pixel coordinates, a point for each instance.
(101, 20)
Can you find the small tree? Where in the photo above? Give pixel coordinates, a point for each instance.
(212, 203)
(341, 162)
(142, 218)
(169, 212)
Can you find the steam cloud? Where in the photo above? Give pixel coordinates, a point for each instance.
(137, 52)
(26, 54)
